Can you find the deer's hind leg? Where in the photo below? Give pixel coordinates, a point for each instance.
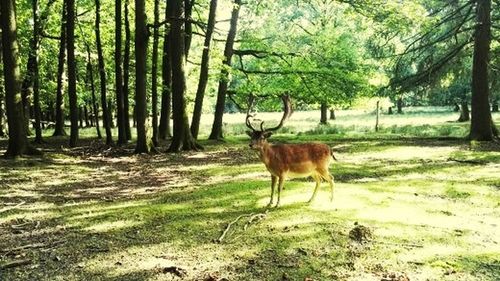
(317, 179)
(325, 174)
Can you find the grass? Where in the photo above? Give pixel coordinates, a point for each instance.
(431, 202)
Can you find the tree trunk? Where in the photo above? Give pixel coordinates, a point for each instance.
(166, 92)
(18, 140)
(34, 71)
(464, 112)
(202, 83)
(332, 114)
(188, 27)
(80, 116)
(223, 81)
(2, 94)
(494, 107)
(400, 105)
(70, 46)
(59, 123)
(182, 138)
(90, 73)
(456, 107)
(106, 118)
(86, 115)
(324, 113)
(141, 48)
(482, 127)
(154, 72)
(377, 113)
(120, 120)
(126, 73)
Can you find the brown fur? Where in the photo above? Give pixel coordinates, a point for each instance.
(293, 160)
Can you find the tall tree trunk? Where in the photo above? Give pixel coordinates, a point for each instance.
(70, 46)
(59, 124)
(141, 48)
(18, 140)
(464, 112)
(86, 115)
(166, 92)
(223, 81)
(202, 83)
(90, 73)
(324, 114)
(188, 27)
(106, 118)
(34, 71)
(2, 94)
(399, 105)
(182, 138)
(482, 127)
(154, 72)
(332, 114)
(377, 114)
(126, 73)
(122, 136)
(80, 116)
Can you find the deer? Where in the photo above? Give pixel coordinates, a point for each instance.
(289, 160)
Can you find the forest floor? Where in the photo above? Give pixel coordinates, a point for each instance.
(406, 207)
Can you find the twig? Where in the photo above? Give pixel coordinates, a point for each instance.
(32, 246)
(256, 217)
(231, 224)
(398, 244)
(14, 263)
(13, 207)
(474, 162)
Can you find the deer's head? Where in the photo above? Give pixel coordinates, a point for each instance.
(259, 137)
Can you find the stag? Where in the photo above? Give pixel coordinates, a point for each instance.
(289, 160)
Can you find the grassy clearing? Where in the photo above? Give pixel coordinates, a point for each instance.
(431, 205)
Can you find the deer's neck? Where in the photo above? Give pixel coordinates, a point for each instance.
(265, 153)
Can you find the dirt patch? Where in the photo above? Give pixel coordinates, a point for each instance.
(360, 233)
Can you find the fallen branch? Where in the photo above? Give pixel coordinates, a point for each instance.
(256, 217)
(398, 244)
(13, 207)
(32, 246)
(14, 263)
(474, 162)
(231, 224)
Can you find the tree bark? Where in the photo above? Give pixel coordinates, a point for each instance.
(106, 118)
(141, 48)
(324, 114)
(332, 114)
(464, 112)
(70, 46)
(126, 74)
(377, 114)
(18, 140)
(216, 132)
(2, 94)
(182, 138)
(399, 105)
(188, 27)
(59, 124)
(33, 72)
(202, 83)
(90, 73)
(166, 92)
(154, 72)
(482, 127)
(120, 120)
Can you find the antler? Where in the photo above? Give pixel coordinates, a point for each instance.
(287, 112)
(251, 100)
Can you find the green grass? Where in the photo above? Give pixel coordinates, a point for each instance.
(432, 204)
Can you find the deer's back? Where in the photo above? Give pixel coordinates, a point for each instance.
(299, 159)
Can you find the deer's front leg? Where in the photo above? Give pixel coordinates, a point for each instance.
(280, 188)
(273, 184)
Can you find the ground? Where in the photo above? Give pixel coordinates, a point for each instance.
(412, 202)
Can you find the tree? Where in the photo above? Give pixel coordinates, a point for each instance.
(18, 140)
(154, 72)
(106, 117)
(202, 82)
(90, 81)
(166, 85)
(182, 138)
(120, 103)
(482, 127)
(59, 124)
(141, 47)
(216, 132)
(126, 73)
(70, 47)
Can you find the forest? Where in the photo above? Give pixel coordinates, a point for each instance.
(181, 140)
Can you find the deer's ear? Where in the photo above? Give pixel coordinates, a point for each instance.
(267, 134)
(249, 133)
